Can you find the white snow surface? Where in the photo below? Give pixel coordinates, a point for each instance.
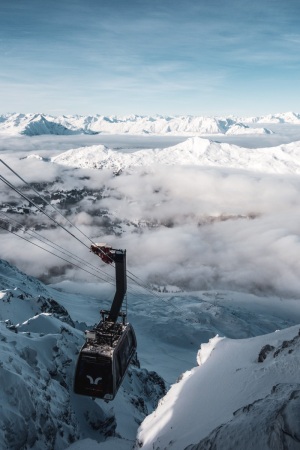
(194, 151)
(230, 379)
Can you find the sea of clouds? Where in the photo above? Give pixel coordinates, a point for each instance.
(196, 228)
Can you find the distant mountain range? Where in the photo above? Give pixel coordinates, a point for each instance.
(195, 151)
(287, 117)
(41, 124)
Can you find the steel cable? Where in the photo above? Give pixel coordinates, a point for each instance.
(51, 244)
(69, 262)
(141, 285)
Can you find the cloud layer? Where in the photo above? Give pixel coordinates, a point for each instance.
(211, 228)
(191, 227)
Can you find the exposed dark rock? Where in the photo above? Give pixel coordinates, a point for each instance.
(264, 352)
(288, 345)
(49, 305)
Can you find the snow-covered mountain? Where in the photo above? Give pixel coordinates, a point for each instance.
(184, 125)
(245, 394)
(287, 117)
(39, 344)
(34, 125)
(194, 151)
(38, 124)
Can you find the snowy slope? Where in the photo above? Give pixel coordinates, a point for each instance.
(39, 345)
(38, 124)
(38, 350)
(193, 151)
(244, 395)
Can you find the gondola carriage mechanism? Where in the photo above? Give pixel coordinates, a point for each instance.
(104, 358)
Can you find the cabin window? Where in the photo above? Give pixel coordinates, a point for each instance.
(123, 357)
(118, 369)
(130, 340)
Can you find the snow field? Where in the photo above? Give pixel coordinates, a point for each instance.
(229, 379)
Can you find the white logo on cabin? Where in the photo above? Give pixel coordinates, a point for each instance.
(92, 381)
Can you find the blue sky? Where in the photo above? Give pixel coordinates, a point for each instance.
(199, 57)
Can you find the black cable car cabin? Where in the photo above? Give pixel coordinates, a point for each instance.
(110, 346)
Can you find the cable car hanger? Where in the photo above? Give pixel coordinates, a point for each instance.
(105, 356)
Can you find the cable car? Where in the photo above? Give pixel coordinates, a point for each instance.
(104, 358)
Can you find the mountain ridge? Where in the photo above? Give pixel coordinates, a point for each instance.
(40, 124)
(230, 394)
(193, 151)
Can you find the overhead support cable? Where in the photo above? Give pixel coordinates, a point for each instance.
(180, 309)
(109, 278)
(133, 277)
(47, 202)
(60, 257)
(40, 209)
(57, 247)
